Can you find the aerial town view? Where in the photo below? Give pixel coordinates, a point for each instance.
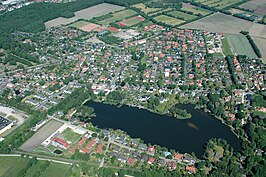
(132, 88)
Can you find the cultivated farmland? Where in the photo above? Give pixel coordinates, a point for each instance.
(146, 9)
(43, 133)
(240, 45)
(118, 16)
(261, 43)
(87, 13)
(219, 4)
(196, 10)
(258, 6)
(223, 23)
(182, 15)
(168, 20)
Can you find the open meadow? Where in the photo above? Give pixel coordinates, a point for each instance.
(168, 20)
(12, 166)
(87, 14)
(43, 133)
(240, 45)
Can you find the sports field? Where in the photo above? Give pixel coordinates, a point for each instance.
(43, 133)
(168, 20)
(182, 15)
(121, 15)
(240, 45)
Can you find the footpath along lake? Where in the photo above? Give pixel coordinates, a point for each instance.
(182, 135)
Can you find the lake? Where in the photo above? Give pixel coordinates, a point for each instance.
(182, 135)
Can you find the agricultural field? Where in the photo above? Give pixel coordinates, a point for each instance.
(194, 9)
(131, 21)
(155, 13)
(87, 13)
(182, 15)
(240, 45)
(11, 166)
(257, 6)
(118, 16)
(43, 133)
(146, 9)
(79, 24)
(261, 44)
(221, 23)
(168, 20)
(55, 170)
(219, 4)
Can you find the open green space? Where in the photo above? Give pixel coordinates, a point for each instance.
(240, 45)
(131, 21)
(168, 20)
(118, 16)
(182, 15)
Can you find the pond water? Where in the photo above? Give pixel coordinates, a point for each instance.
(57, 151)
(182, 135)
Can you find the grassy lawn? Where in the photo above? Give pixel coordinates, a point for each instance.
(168, 20)
(33, 171)
(69, 135)
(10, 166)
(146, 9)
(56, 170)
(121, 15)
(182, 15)
(79, 24)
(226, 48)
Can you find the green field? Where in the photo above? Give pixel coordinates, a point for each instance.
(79, 24)
(118, 16)
(196, 10)
(11, 166)
(146, 9)
(240, 45)
(226, 48)
(164, 10)
(182, 15)
(168, 20)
